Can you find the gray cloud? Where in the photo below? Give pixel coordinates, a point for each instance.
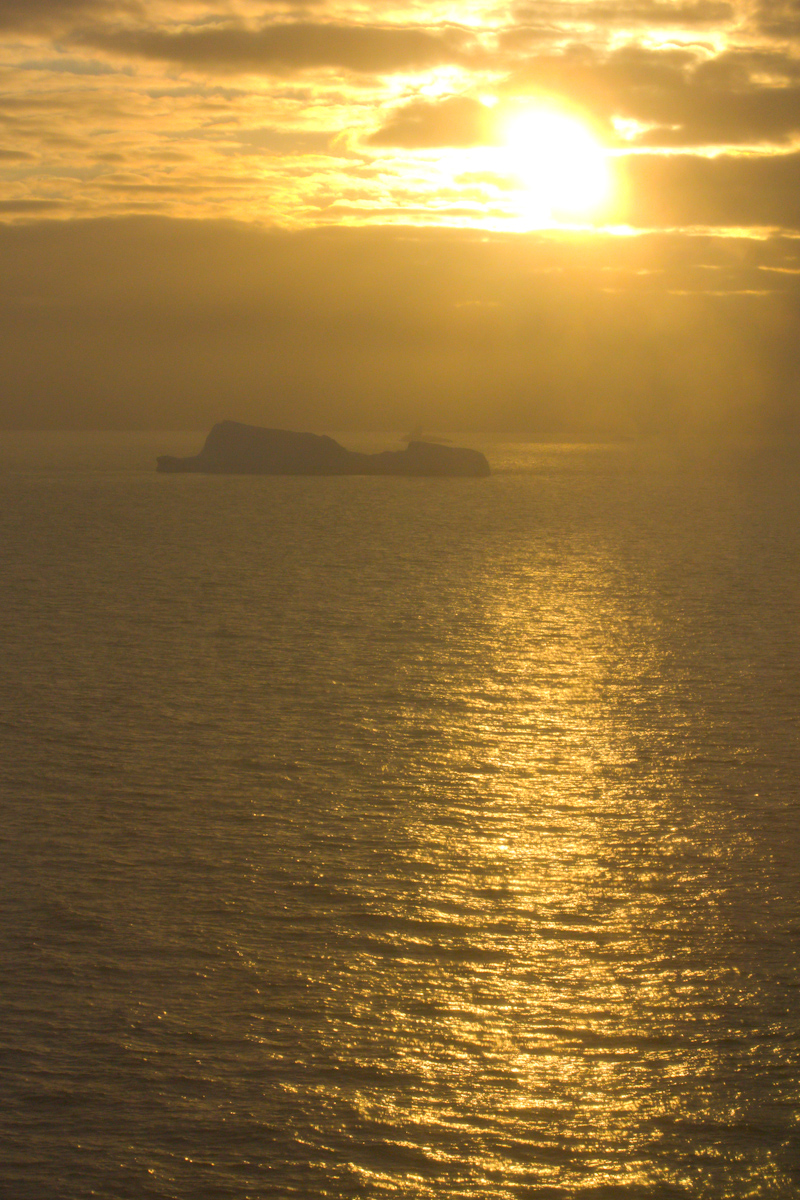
(745, 191)
(779, 18)
(67, 66)
(46, 14)
(454, 121)
(708, 118)
(281, 48)
(739, 97)
(626, 14)
(178, 323)
(28, 206)
(686, 99)
(270, 140)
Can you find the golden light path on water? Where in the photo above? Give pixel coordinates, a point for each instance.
(543, 1028)
(537, 947)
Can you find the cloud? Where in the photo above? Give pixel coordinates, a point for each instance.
(628, 14)
(454, 121)
(154, 322)
(734, 191)
(47, 14)
(704, 117)
(282, 48)
(28, 206)
(685, 98)
(778, 18)
(67, 66)
(679, 98)
(269, 140)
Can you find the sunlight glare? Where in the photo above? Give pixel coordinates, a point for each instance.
(562, 169)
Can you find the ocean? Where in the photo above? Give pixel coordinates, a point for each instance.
(413, 838)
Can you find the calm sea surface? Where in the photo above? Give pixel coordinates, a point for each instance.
(404, 838)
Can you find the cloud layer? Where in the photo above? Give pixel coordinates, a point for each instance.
(306, 114)
(341, 175)
(148, 321)
(282, 48)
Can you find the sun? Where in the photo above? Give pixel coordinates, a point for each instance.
(562, 169)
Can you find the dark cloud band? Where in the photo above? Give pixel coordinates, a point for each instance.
(46, 14)
(564, 336)
(281, 48)
(425, 124)
(739, 191)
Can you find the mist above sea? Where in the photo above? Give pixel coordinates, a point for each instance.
(404, 837)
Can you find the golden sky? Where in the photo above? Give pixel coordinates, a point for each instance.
(137, 127)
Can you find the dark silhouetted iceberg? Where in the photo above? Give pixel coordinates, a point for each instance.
(235, 449)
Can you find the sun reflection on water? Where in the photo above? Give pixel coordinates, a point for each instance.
(581, 889)
(537, 980)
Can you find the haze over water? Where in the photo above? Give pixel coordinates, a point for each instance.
(389, 837)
